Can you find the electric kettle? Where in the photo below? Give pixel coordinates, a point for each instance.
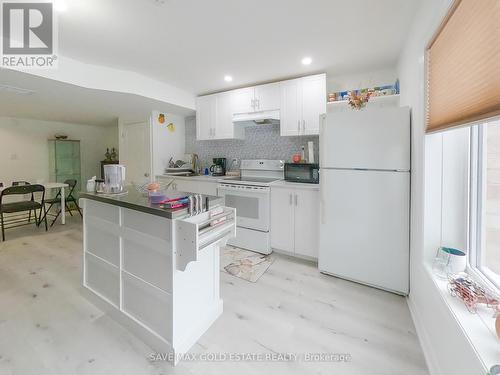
(114, 178)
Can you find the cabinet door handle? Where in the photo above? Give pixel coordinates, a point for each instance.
(296, 199)
(290, 198)
(298, 126)
(304, 126)
(258, 103)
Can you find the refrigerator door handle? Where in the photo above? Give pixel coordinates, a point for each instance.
(321, 201)
(322, 132)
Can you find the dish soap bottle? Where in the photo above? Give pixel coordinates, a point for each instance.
(303, 155)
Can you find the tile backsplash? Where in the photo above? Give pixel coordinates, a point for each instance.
(261, 142)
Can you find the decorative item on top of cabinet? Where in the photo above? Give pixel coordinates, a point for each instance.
(303, 100)
(295, 220)
(357, 100)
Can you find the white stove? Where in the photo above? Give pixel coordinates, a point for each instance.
(250, 194)
(256, 181)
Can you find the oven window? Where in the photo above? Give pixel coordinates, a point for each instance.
(245, 206)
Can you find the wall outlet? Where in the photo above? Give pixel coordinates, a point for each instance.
(14, 156)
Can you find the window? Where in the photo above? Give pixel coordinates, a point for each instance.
(485, 201)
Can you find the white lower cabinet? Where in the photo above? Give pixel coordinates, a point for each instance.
(102, 278)
(147, 304)
(295, 220)
(282, 228)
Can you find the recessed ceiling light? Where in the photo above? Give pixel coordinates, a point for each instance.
(228, 78)
(60, 5)
(307, 61)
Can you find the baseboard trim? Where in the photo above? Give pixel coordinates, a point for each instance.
(423, 337)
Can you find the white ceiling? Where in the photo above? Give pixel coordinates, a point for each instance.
(56, 101)
(192, 44)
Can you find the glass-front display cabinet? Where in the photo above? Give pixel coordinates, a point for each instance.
(64, 161)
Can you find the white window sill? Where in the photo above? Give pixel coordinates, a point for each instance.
(479, 328)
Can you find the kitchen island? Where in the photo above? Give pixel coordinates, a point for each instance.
(155, 270)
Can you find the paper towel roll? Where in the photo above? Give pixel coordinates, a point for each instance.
(310, 147)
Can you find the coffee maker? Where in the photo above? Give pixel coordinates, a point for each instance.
(219, 167)
(114, 179)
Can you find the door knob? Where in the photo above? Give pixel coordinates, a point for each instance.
(146, 174)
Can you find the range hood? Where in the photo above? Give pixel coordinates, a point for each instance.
(257, 118)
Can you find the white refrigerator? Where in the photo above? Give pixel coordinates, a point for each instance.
(365, 197)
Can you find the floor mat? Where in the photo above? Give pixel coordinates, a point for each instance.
(244, 264)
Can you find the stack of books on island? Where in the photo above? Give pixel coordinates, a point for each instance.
(175, 202)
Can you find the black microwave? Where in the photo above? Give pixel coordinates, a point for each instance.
(302, 172)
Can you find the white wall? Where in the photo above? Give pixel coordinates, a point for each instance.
(111, 79)
(374, 78)
(24, 151)
(446, 348)
(167, 144)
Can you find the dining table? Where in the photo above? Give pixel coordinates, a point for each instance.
(51, 186)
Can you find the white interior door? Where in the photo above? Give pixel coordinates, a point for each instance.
(364, 227)
(135, 152)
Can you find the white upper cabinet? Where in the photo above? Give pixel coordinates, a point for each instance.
(214, 117)
(256, 99)
(205, 116)
(300, 102)
(267, 97)
(224, 128)
(243, 100)
(303, 100)
(313, 102)
(291, 108)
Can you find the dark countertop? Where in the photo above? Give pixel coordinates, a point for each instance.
(135, 200)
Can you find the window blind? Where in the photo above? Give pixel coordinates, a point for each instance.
(463, 66)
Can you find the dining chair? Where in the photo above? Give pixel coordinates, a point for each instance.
(23, 183)
(68, 198)
(22, 206)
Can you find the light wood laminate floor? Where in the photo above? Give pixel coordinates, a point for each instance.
(48, 327)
